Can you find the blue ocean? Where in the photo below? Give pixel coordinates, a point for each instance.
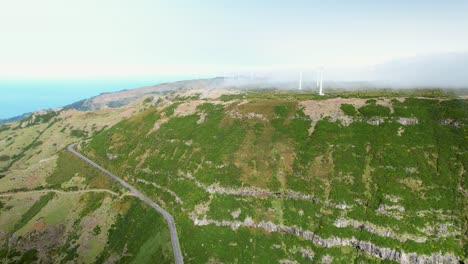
(22, 96)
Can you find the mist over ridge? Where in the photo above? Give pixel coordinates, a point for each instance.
(442, 71)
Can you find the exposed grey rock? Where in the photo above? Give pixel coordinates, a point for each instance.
(375, 121)
(450, 122)
(259, 192)
(380, 231)
(365, 246)
(395, 211)
(408, 121)
(111, 156)
(411, 170)
(327, 259)
(173, 194)
(235, 214)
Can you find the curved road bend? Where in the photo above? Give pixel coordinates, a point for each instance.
(167, 216)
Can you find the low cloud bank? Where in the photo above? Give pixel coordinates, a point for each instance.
(431, 71)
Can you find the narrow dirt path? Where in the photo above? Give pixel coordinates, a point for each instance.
(7, 194)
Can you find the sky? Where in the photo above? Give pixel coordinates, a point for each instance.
(53, 39)
(55, 52)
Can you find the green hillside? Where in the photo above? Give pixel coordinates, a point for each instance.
(249, 177)
(54, 208)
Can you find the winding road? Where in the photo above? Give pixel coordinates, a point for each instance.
(170, 220)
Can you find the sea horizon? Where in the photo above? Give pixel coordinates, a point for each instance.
(21, 96)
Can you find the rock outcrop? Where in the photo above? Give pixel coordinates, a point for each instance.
(365, 246)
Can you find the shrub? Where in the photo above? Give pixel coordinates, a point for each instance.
(348, 109)
(47, 117)
(97, 230)
(282, 110)
(33, 210)
(35, 144)
(78, 133)
(374, 110)
(4, 128)
(148, 100)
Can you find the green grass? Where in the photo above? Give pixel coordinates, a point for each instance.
(78, 133)
(92, 201)
(337, 164)
(34, 143)
(144, 234)
(68, 166)
(170, 109)
(348, 109)
(33, 210)
(372, 110)
(29, 256)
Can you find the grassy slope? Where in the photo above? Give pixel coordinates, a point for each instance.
(73, 226)
(361, 165)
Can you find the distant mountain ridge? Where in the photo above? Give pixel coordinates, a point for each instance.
(127, 96)
(13, 119)
(124, 97)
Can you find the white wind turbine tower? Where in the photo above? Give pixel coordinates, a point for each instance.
(300, 80)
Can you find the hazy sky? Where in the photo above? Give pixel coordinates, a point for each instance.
(80, 38)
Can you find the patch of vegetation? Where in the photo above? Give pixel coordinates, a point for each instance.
(142, 232)
(92, 202)
(45, 118)
(348, 109)
(4, 128)
(230, 97)
(392, 93)
(170, 109)
(68, 166)
(282, 111)
(96, 230)
(373, 110)
(116, 104)
(148, 100)
(33, 210)
(38, 119)
(187, 98)
(70, 254)
(29, 256)
(359, 165)
(78, 133)
(36, 144)
(4, 157)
